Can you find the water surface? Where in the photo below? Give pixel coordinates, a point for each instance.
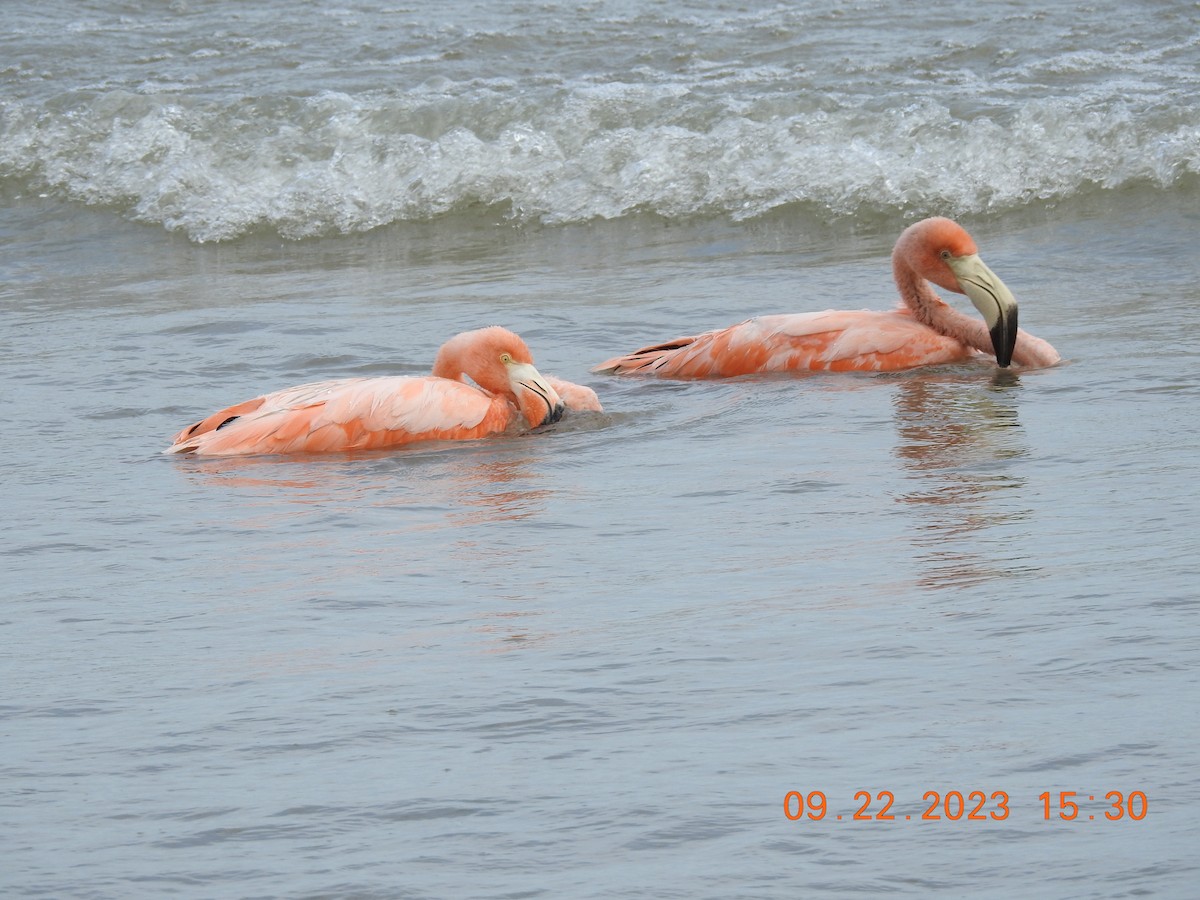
(592, 661)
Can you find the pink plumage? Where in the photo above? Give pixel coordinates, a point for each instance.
(924, 331)
(392, 411)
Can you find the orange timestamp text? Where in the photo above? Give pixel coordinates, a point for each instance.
(970, 806)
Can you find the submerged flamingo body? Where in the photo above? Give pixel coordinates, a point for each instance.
(392, 411)
(830, 341)
(924, 331)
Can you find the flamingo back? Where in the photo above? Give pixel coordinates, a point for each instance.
(829, 341)
(350, 414)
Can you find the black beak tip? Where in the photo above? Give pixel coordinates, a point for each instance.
(1004, 341)
(556, 412)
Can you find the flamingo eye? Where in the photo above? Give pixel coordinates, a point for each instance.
(945, 254)
(505, 358)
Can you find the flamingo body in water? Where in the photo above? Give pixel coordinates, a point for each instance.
(924, 331)
(392, 411)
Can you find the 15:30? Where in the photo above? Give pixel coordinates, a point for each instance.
(1121, 806)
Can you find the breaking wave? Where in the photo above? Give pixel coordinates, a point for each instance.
(561, 153)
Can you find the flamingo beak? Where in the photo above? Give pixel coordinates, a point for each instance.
(539, 402)
(994, 301)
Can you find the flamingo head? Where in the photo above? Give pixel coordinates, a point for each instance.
(499, 362)
(941, 251)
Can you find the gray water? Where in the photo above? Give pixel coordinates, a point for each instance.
(592, 661)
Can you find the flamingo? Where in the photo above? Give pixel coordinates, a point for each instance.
(391, 411)
(924, 331)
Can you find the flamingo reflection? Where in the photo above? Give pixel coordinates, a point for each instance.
(957, 438)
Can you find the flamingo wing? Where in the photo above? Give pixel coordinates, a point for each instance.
(350, 414)
(829, 341)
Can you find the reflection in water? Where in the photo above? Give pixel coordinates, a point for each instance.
(469, 487)
(408, 529)
(494, 490)
(511, 630)
(957, 439)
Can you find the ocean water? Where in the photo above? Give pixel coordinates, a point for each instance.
(596, 660)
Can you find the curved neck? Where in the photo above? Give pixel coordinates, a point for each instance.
(931, 310)
(465, 365)
(445, 367)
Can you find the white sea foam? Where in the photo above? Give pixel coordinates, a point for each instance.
(693, 115)
(335, 163)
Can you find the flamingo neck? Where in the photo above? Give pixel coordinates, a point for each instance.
(931, 310)
(464, 364)
(447, 367)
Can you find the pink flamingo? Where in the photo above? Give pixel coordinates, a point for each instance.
(924, 331)
(391, 411)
